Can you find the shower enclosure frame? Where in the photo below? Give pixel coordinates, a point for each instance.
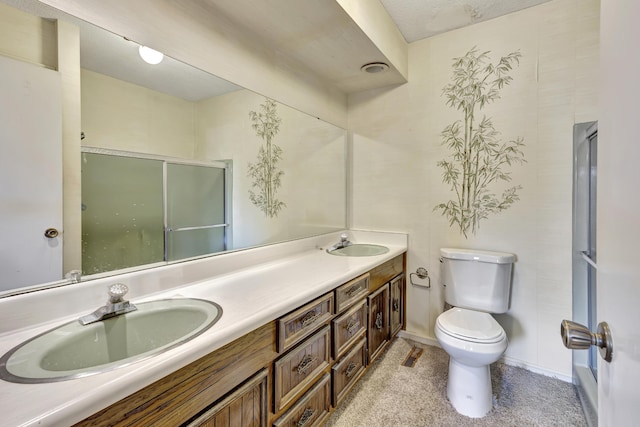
(584, 261)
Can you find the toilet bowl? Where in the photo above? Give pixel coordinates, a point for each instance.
(476, 283)
(473, 341)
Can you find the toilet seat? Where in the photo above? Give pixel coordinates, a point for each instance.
(470, 325)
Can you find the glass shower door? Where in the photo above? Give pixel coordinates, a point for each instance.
(195, 210)
(122, 221)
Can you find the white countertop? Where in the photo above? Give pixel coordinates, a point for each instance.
(252, 288)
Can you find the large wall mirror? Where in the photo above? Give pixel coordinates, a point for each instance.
(168, 159)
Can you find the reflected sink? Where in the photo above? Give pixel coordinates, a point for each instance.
(360, 249)
(74, 351)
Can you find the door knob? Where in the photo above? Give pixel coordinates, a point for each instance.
(51, 233)
(579, 337)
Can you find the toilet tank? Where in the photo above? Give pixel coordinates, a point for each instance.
(477, 280)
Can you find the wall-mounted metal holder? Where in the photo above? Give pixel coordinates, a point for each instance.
(422, 273)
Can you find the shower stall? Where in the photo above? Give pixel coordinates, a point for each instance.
(142, 210)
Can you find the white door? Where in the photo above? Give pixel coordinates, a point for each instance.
(30, 174)
(619, 212)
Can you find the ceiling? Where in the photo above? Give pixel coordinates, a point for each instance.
(419, 19)
(317, 38)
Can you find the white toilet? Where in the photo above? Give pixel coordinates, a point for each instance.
(476, 283)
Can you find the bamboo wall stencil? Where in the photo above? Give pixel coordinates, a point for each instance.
(478, 156)
(264, 172)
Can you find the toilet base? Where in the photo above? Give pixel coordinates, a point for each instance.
(469, 389)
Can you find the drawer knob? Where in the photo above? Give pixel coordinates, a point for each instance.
(305, 364)
(352, 326)
(351, 368)
(309, 318)
(307, 416)
(352, 290)
(396, 304)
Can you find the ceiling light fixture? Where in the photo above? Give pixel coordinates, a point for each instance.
(375, 67)
(150, 56)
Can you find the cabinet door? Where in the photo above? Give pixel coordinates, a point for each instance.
(397, 304)
(378, 324)
(245, 407)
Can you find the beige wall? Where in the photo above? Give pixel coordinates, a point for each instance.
(313, 161)
(122, 116)
(27, 37)
(396, 182)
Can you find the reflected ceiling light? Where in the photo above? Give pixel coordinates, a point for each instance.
(375, 67)
(150, 56)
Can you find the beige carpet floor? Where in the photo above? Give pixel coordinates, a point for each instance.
(390, 394)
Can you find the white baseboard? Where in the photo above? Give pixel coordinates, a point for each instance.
(506, 360)
(536, 369)
(419, 338)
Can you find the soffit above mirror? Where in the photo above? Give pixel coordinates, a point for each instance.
(318, 41)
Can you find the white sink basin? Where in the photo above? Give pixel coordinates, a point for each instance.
(360, 249)
(73, 350)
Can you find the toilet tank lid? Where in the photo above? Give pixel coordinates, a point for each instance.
(477, 255)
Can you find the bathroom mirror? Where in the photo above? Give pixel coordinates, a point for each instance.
(174, 112)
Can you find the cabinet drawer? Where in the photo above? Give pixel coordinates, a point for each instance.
(348, 328)
(311, 410)
(351, 292)
(346, 372)
(385, 272)
(300, 367)
(300, 323)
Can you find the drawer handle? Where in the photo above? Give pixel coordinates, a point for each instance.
(309, 318)
(307, 415)
(352, 290)
(396, 304)
(351, 368)
(305, 364)
(352, 326)
(379, 320)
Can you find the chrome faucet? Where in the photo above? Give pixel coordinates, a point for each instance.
(343, 243)
(116, 305)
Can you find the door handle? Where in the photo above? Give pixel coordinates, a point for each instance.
(579, 337)
(51, 233)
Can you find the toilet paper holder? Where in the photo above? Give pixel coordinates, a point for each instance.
(421, 273)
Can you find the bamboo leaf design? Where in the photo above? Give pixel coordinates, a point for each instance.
(265, 174)
(477, 154)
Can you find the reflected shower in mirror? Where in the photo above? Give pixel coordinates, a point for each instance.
(172, 114)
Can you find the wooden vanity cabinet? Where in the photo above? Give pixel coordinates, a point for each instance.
(283, 373)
